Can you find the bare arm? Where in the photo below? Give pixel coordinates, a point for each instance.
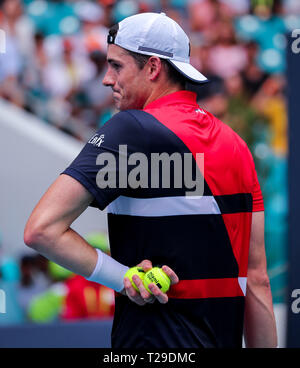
(48, 232)
(48, 228)
(259, 322)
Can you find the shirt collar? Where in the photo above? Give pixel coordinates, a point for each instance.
(178, 97)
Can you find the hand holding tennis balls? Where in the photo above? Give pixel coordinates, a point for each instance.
(150, 291)
(155, 275)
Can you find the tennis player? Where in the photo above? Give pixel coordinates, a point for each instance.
(210, 241)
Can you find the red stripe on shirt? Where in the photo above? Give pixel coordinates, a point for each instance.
(206, 288)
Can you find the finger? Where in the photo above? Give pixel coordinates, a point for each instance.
(129, 288)
(132, 294)
(130, 291)
(151, 300)
(143, 292)
(158, 294)
(137, 300)
(146, 265)
(172, 275)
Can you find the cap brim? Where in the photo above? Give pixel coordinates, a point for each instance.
(189, 71)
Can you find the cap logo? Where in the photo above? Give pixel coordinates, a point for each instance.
(110, 39)
(112, 33)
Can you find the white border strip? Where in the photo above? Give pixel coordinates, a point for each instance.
(164, 206)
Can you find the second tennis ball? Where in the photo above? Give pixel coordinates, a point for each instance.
(157, 276)
(135, 271)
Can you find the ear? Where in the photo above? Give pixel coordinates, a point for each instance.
(154, 67)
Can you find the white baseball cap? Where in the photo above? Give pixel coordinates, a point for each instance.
(156, 34)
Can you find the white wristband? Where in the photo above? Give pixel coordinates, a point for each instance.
(108, 272)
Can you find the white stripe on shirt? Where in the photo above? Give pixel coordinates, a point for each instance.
(164, 206)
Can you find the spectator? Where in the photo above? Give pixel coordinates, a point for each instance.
(33, 80)
(267, 26)
(252, 75)
(227, 57)
(200, 57)
(108, 8)
(92, 101)
(34, 279)
(18, 32)
(233, 8)
(240, 115)
(93, 30)
(202, 15)
(270, 101)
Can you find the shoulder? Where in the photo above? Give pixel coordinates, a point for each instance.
(231, 145)
(124, 121)
(121, 117)
(233, 137)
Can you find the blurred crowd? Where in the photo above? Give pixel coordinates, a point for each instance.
(54, 63)
(56, 54)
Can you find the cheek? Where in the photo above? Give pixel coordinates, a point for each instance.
(130, 88)
(125, 85)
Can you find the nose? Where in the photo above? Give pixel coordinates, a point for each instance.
(108, 79)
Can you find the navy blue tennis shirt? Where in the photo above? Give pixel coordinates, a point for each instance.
(204, 239)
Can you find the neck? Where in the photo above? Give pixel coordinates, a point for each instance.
(160, 92)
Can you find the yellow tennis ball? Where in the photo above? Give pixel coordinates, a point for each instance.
(135, 271)
(157, 276)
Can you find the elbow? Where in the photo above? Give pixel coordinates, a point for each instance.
(29, 236)
(32, 236)
(36, 237)
(258, 278)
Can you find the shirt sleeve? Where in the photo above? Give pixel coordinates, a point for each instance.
(258, 202)
(257, 197)
(101, 166)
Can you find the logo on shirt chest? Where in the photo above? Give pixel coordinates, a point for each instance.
(97, 140)
(201, 111)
